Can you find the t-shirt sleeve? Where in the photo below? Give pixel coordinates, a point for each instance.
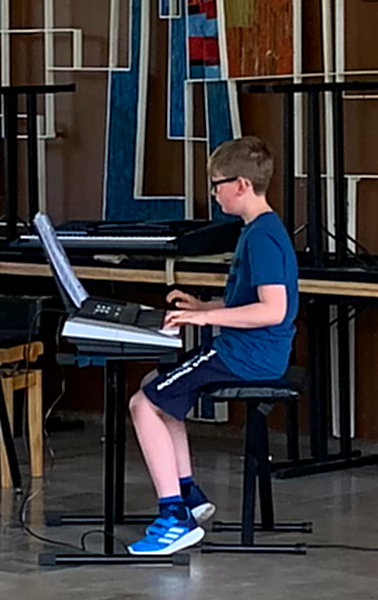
(266, 260)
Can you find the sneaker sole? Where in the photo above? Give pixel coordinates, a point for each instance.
(191, 538)
(203, 512)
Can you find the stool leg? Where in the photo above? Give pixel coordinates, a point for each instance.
(35, 423)
(260, 435)
(256, 464)
(249, 480)
(7, 385)
(292, 431)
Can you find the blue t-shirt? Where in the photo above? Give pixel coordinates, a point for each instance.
(264, 256)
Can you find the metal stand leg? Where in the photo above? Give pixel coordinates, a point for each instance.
(54, 519)
(113, 393)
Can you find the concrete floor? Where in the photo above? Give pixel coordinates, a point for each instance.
(342, 505)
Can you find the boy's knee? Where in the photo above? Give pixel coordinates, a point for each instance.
(139, 403)
(135, 401)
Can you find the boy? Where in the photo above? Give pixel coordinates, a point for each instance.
(256, 320)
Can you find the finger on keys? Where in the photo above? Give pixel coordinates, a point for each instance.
(175, 295)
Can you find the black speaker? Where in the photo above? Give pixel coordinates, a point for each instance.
(214, 238)
(26, 317)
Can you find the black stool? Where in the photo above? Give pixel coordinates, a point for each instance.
(258, 396)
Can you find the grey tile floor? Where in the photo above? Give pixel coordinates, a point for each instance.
(342, 505)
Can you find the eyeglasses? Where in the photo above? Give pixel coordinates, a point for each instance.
(215, 182)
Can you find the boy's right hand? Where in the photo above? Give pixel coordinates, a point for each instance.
(184, 301)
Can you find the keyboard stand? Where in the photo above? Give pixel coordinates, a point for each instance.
(113, 473)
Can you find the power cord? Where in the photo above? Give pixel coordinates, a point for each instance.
(103, 533)
(28, 495)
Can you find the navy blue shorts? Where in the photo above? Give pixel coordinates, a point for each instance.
(176, 388)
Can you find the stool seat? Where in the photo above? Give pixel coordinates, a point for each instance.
(287, 387)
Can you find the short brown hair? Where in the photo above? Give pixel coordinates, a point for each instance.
(247, 157)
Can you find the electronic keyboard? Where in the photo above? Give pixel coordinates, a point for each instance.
(122, 325)
(187, 237)
(104, 242)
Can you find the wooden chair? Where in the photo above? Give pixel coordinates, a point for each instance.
(13, 377)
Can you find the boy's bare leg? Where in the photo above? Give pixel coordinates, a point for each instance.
(157, 445)
(178, 433)
(179, 436)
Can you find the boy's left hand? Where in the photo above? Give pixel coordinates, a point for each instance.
(175, 318)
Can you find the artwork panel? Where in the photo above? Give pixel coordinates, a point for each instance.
(164, 7)
(240, 13)
(194, 7)
(122, 132)
(210, 8)
(197, 71)
(211, 51)
(259, 37)
(169, 8)
(121, 147)
(178, 74)
(196, 25)
(199, 25)
(212, 72)
(219, 126)
(196, 48)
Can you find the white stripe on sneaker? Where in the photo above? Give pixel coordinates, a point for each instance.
(189, 539)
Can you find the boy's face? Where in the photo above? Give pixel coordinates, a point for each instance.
(226, 191)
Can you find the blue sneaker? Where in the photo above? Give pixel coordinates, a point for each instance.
(168, 535)
(199, 505)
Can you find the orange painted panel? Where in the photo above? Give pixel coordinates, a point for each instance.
(259, 37)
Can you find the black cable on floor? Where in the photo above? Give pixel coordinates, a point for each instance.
(28, 494)
(102, 532)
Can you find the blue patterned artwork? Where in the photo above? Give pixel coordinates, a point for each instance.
(169, 8)
(120, 203)
(194, 54)
(164, 8)
(219, 126)
(178, 74)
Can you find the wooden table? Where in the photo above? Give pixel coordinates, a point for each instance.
(182, 276)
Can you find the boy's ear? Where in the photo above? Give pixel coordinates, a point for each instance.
(244, 184)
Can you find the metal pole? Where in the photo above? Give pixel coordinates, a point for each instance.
(109, 408)
(10, 164)
(289, 164)
(340, 205)
(314, 191)
(119, 374)
(33, 189)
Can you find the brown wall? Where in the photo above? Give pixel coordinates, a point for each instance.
(76, 157)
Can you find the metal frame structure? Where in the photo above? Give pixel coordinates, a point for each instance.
(10, 96)
(318, 258)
